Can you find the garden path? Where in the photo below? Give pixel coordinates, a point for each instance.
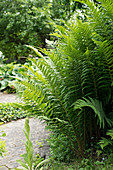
(14, 136)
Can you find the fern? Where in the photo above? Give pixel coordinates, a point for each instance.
(74, 82)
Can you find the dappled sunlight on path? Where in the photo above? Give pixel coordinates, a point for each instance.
(8, 98)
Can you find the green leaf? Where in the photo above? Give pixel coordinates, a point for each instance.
(22, 164)
(25, 156)
(94, 104)
(27, 127)
(3, 134)
(110, 133)
(105, 142)
(4, 84)
(26, 135)
(41, 163)
(36, 51)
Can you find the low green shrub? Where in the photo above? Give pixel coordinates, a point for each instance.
(7, 73)
(85, 164)
(59, 147)
(9, 111)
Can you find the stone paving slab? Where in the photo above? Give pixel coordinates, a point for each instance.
(8, 98)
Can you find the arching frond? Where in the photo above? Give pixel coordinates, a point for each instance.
(93, 104)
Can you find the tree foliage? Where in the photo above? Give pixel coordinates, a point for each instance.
(23, 22)
(28, 22)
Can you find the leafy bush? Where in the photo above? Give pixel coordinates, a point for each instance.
(23, 22)
(91, 165)
(71, 89)
(7, 73)
(59, 149)
(9, 111)
(29, 22)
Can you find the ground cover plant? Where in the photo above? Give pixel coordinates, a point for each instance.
(9, 112)
(7, 71)
(71, 87)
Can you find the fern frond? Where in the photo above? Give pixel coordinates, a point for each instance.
(105, 142)
(110, 133)
(108, 5)
(93, 104)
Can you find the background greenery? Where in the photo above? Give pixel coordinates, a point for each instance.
(23, 22)
(30, 22)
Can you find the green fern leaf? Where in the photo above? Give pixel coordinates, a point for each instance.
(93, 104)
